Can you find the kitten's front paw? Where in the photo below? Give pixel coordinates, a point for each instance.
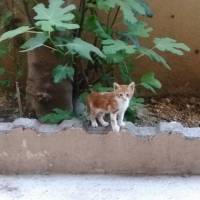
(116, 129)
(122, 124)
(105, 124)
(94, 124)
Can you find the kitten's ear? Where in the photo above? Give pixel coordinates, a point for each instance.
(132, 86)
(116, 86)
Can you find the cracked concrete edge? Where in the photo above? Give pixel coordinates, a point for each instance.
(163, 127)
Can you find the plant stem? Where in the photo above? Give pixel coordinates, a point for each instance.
(50, 47)
(57, 49)
(34, 32)
(82, 10)
(19, 99)
(26, 8)
(115, 17)
(141, 55)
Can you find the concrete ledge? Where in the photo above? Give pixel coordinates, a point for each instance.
(26, 146)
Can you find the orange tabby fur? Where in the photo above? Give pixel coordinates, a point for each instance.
(115, 103)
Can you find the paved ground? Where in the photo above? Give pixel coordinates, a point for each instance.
(62, 187)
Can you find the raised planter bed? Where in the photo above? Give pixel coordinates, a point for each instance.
(26, 146)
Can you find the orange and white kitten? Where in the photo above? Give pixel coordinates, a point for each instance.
(115, 103)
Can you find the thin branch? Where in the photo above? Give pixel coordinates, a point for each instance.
(115, 17)
(80, 5)
(84, 74)
(82, 10)
(19, 99)
(88, 62)
(141, 55)
(26, 8)
(34, 32)
(49, 47)
(51, 40)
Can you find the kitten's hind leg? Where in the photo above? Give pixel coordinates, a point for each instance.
(93, 121)
(101, 120)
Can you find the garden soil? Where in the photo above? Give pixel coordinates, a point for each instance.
(182, 109)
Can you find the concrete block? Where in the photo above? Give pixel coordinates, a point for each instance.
(26, 123)
(48, 128)
(170, 127)
(6, 126)
(72, 123)
(68, 148)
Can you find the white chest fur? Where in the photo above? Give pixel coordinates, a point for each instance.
(123, 105)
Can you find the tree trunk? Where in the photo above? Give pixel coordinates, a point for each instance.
(42, 95)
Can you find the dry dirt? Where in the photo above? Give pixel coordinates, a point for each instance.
(182, 109)
(8, 109)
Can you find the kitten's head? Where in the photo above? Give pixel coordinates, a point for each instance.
(124, 92)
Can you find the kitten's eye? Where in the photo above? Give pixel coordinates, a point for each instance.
(121, 95)
(127, 95)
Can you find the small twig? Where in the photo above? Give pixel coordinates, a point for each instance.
(84, 75)
(141, 55)
(82, 10)
(57, 49)
(115, 17)
(35, 32)
(50, 47)
(19, 99)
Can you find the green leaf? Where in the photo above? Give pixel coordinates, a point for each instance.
(34, 42)
(84, 49)
(98, 87)
(107, 78)
(171, 45)
(139, 29)
(149, 82)
(116, 58)
(116, 51)
(136, 101)
(57, 116)
(56, 15)
(62, 72)
(15, 32)
(92, 24)
(106, 4)
(113, 46)
(148, 10)
(126, 72)
(134, 106)
(5, 83)
(153, 56)
(130, 8)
